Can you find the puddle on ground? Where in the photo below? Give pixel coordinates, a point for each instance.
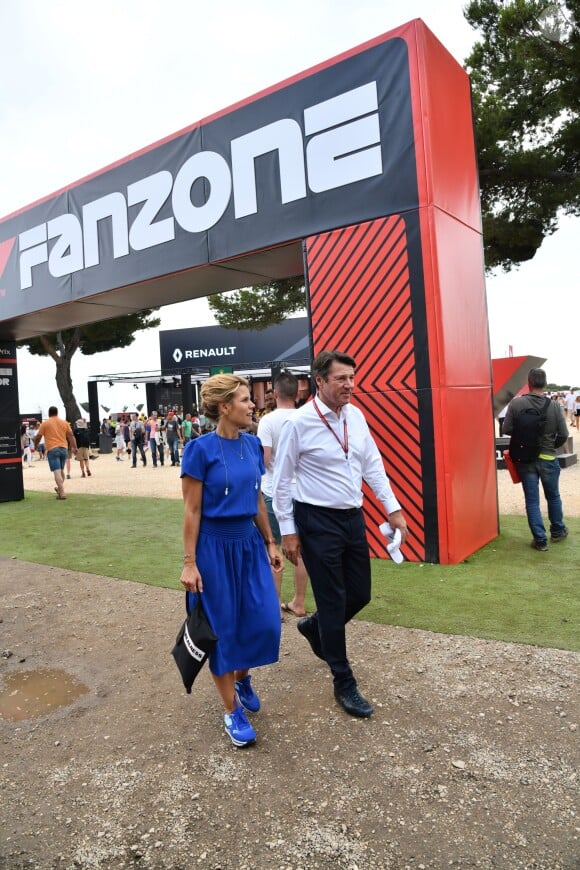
(28, 694)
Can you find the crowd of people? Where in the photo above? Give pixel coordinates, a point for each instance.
(569, 402)
(161, 435)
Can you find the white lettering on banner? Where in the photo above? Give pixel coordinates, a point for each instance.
(33, 252)
(4, 382)
(205, 164)
(343, 154)
(343, 146)
(201, 353)
(285, 137)
(153, 192)
(66, 255)
(112, 206)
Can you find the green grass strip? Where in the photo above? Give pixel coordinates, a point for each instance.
(505, 591)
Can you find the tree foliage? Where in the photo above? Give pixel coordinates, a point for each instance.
(259, 306)
(525, 74)
(93, 338)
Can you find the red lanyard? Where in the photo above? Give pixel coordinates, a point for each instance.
(343, 444)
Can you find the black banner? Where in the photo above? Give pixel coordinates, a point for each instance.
(11, 484)
(327, 150)
(202, 349)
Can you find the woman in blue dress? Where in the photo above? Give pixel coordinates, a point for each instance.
(229, 551)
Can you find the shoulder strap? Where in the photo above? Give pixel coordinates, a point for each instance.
(545, 407)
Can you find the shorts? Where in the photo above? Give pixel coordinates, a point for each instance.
(276, 534)
(83, 453)
(57, 458)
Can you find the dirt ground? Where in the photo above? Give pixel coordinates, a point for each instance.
(470, 759)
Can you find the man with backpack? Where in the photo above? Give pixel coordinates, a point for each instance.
(537, 428)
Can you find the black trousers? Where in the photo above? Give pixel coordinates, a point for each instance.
(336, 555)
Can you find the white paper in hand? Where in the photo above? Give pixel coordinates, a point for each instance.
(393, 537)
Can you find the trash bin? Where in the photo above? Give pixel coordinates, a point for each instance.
(105, 444)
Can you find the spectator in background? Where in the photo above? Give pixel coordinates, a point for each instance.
(32, 430)
(570, 404)
(58, 437)
(25, 446)
(546, 467)
(126, 427)
(195, 422)
(303, 396)
(173, 436)
(186, 429)
(500, 420)
(269, 428)
(120, 442)
(156, 447)
(137, 428)
(83, 440)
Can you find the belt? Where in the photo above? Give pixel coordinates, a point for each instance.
(344, 512)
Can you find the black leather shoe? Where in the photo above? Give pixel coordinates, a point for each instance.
(352, 701)
(308, 628)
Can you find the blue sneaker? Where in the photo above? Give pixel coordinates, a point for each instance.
(246, 695)
(238, 728)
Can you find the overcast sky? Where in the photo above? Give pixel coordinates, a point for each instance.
(86, 83)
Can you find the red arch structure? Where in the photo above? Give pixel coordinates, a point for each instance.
(359, 173)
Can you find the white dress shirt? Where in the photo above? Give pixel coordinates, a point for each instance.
(310, 454)
(269, 429)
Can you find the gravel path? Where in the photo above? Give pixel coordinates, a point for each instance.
(470, 759)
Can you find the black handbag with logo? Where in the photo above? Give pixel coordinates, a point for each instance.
(193, 644)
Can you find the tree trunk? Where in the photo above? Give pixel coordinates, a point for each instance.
(65, 389)
(62, 355)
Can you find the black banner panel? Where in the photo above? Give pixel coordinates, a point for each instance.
(203, 349)
(324, 151)
(11, 483)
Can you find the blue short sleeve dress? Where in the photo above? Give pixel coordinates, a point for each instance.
(239, 596)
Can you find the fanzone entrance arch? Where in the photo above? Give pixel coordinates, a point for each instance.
(359, 173)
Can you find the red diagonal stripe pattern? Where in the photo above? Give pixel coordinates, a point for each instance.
(5, 251)
(360, 302)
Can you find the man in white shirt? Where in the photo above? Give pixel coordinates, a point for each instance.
(327, 447)
(269, 428)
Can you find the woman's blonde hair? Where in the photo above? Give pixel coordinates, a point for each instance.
(218, 389)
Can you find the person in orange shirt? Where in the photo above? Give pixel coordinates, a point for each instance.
(58, 437)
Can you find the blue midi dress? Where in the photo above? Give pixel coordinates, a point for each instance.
(239, 596)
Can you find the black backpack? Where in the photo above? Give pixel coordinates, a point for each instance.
(526, 439)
